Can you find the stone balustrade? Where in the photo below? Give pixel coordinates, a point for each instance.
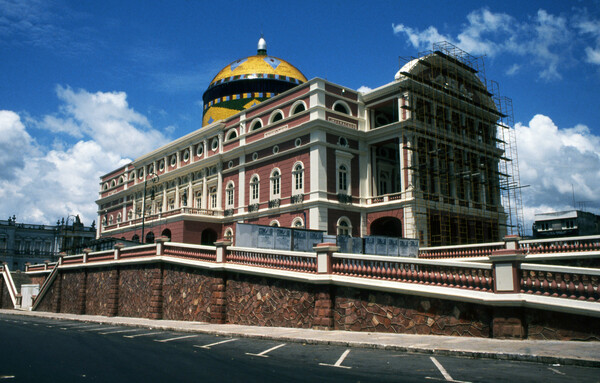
(283, 260)
(470, 276)
(560, 282)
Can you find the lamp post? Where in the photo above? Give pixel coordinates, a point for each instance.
(154, 180)
(65, 230)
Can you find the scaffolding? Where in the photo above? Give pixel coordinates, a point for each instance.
(460, 136)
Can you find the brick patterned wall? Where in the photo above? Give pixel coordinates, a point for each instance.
(97, 289)
(187, 293)
(134, 290)
(360, 310)
(269, 302)
(72, 281)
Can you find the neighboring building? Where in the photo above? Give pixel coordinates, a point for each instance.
(23, 242)
(426, 156)
(569, 223)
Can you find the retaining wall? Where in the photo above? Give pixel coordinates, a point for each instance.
(182, 292)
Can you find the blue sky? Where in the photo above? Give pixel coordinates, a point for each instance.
(88, 85)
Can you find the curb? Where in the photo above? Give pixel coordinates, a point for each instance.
(522, 357)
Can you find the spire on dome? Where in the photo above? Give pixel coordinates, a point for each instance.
(262, 46)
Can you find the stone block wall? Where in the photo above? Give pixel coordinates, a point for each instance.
(97, 290)
(262, 301)
(186, 293)
(362, 310)
(5, 301)
(135, 285)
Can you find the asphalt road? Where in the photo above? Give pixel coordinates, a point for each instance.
(47, 350)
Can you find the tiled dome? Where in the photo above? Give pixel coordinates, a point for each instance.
(246, 82)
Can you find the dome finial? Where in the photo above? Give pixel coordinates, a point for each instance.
(262, 46)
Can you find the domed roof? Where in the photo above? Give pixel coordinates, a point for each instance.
(257, 67)
(247, 82)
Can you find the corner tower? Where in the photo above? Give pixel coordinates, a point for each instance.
(247, 82)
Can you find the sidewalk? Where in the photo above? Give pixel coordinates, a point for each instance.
(550, 352)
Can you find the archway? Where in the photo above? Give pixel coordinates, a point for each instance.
(166, 233)
(209, 237)
(387, 227)
(135, 238)
(150, 237)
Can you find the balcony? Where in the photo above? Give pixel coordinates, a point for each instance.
(344, 198)
(253, 207)
(297, 198)
(274, 203)
(162, 215)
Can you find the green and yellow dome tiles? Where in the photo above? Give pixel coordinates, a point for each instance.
(247, 82)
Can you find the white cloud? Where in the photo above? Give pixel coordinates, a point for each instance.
(41, 185)
(364, 89)
(543, 40)
(106, 118)
(14, 142)
(558, 164)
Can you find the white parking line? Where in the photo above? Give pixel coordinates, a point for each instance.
(144, 334)
(339, 361)
(208, 346)
(263, 354)
(120, 331)
(556, 371)
(444, 372)
(97, 328)
(177, 338)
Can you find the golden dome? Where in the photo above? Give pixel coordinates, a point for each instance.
(247, 82)
(255, 66)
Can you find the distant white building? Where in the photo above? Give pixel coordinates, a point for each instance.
(566, 224)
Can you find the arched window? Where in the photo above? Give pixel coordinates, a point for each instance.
(341, 107)
(166, 233)
(344, 227)
(298, 223)
(231, 135)
(135, 238)
(298, 107)
(254, 189)
(298, 178)
(129, 215)
(119, 218)
(213, 197)
(274, 223)
(276, 116)
(342, 179)
(110, 220)
(199, 200)
(256, 124)
(104, 221)
(229, 195)
(275, 184)
(228, 236)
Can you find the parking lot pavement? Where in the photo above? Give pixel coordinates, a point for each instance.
(549, 352)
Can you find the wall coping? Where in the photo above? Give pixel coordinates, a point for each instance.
(422, 261)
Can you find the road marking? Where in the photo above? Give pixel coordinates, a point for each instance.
(177, 338)
(97, 328)
(444, 372)
(339, 361)
(556, 371)
(144, 334)
(208, 346)
(120, 331)
(263, 354)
